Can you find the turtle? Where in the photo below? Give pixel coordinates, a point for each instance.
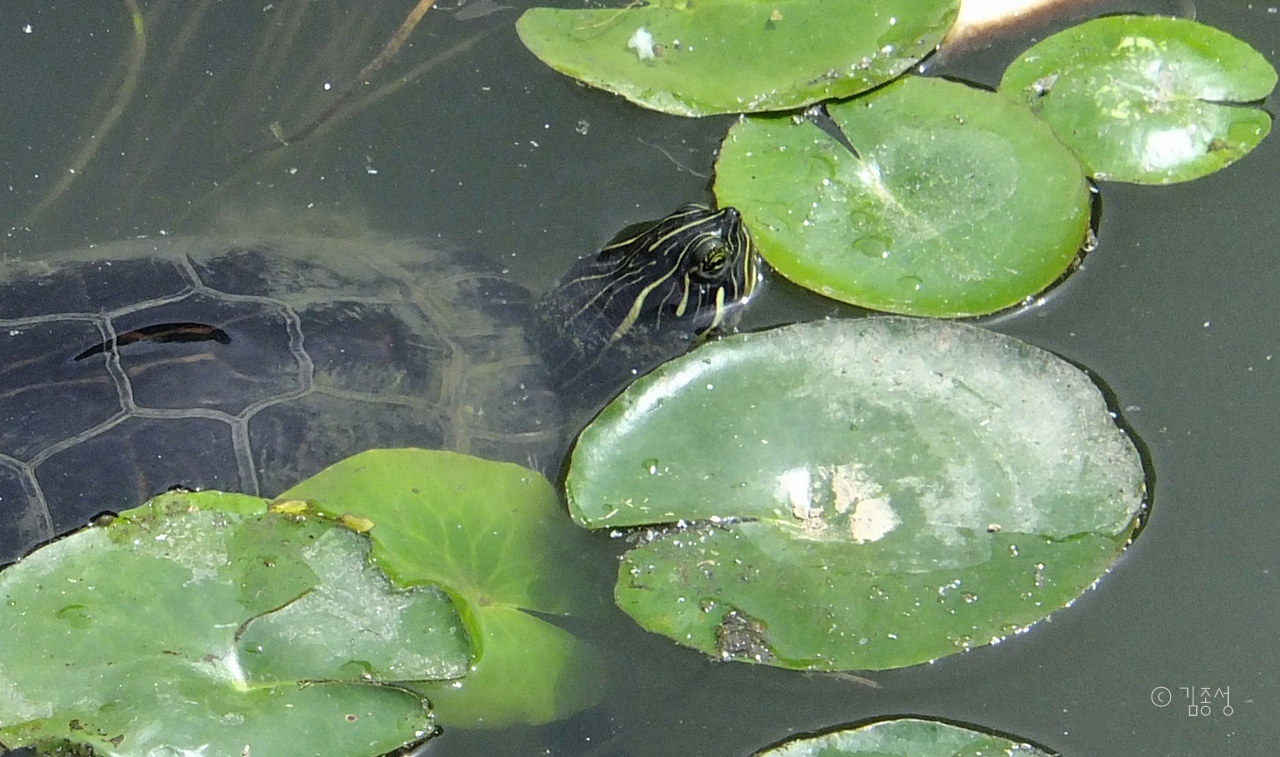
(247, 365)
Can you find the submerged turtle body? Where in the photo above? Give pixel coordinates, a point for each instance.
(248, 366)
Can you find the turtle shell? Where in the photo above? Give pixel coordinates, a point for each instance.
(247, 366)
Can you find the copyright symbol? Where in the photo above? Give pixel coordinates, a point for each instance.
(1161, 697)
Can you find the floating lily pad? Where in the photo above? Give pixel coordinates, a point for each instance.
(1146, 99)
(534, 672)
(904, 737)
(858, 494)
(956, 203)
(355, 625)
(494, 536)
(131, 638)
(732, 56)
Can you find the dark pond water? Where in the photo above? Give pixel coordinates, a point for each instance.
(491, 154)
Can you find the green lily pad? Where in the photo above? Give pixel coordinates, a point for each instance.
(130, 637)
(861, 494)
(957, 202)
(535, 673)
(904, 737)
(732, 56)
(493, 535)
(1146, 99)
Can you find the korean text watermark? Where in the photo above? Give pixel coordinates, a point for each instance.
(1201, 701)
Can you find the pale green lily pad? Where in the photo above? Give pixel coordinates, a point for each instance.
(904, 737)
(355, 625)
(1146, 99)
(124, 637)
(957, 203)
(731, 56)
(493, 535)
(860, 494)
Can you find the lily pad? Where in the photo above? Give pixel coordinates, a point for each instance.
(904, 737)
(858, 494)
(957, 201)
(1146, 99)
(534, 673)
(130, 638)
(732, 56)
(493, 535)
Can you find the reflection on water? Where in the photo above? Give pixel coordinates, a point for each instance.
(193, 104)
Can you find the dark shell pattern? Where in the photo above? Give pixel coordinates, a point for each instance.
(248, 366)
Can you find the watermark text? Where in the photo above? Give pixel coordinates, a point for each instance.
(1200, 701)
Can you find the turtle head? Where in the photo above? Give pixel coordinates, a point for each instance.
(690, 272)
(648, 296)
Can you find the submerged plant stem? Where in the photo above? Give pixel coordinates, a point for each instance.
(266, 156)
(136, 55)
(389, 51)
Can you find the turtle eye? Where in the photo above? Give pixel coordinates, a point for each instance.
(713, 262)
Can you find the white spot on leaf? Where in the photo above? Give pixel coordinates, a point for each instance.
(642, 43)
(872, 520)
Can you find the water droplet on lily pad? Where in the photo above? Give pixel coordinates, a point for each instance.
(872, 245)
